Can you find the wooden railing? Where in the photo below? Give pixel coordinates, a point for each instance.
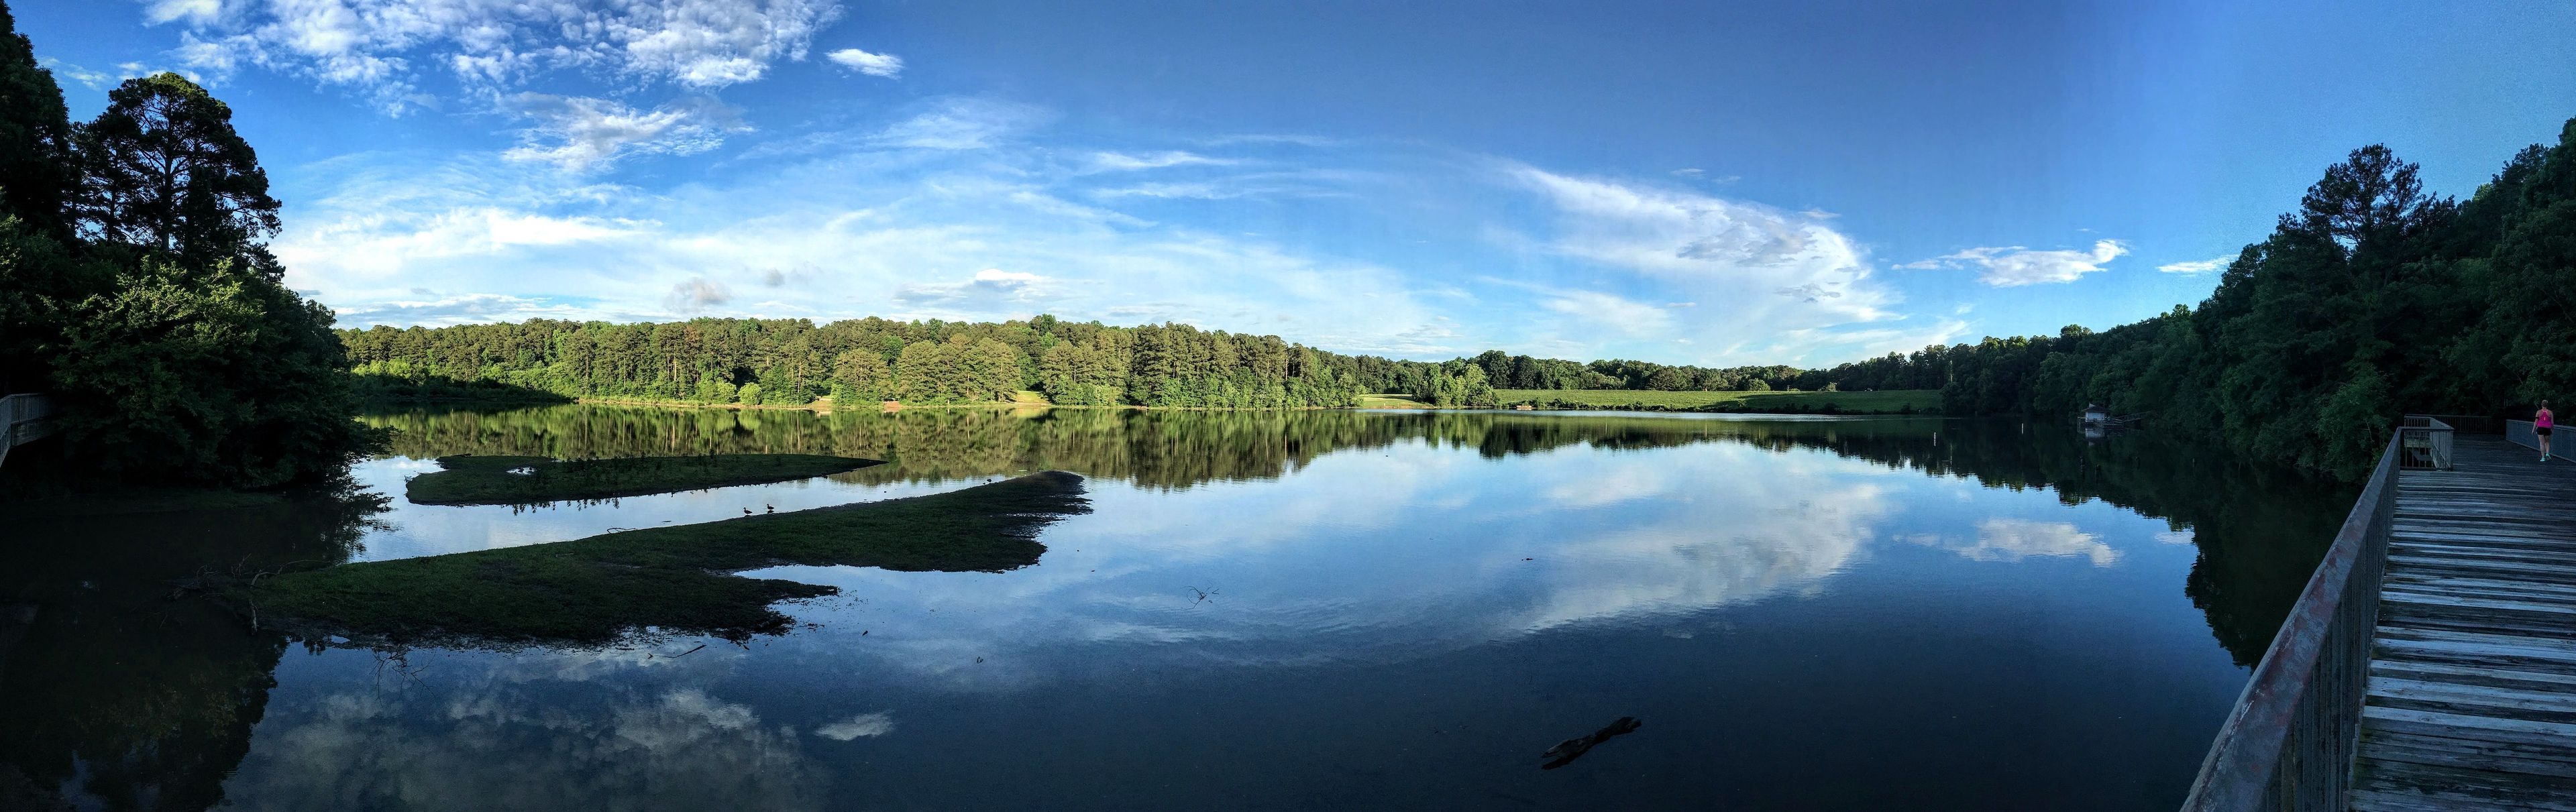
(2289, 743)
(2426, 441)
(24, 418)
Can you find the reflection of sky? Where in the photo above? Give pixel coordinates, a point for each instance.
(1162, 605)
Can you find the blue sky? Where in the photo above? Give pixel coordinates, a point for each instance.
(1689, 183)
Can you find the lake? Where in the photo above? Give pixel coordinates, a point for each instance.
(1263, 610)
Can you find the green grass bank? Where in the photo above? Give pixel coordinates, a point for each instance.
(1896, 401)
(678, 580)
(500, 480)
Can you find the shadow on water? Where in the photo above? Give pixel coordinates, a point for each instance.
(118, 696)
(121, 698)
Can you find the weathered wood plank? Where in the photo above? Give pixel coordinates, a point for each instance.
(2471, 699)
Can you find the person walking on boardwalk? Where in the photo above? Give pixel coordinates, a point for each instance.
(2541, 422)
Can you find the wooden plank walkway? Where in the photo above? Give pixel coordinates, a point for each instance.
(2472, 698)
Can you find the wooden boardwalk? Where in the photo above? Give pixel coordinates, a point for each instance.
(2472, 692)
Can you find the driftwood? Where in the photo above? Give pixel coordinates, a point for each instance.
(1565, 752)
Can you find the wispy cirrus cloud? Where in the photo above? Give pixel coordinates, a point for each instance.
(460, 309)
(962, 124)
(1792, 284)
(1133, 161)
(2016, 266)
(916, 233)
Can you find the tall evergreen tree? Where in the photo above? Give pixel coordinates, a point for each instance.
(164, 170)
(37, 179)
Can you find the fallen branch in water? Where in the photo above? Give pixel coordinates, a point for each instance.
(1565, 752)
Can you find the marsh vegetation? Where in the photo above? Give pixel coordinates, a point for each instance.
(469, 479)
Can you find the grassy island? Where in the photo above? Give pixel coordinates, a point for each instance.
(1892, 401)
(506, 480)
(597, 590)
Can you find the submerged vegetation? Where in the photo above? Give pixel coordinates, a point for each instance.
(467, 479)
(677, 580)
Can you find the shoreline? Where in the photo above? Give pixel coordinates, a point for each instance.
(826, 407)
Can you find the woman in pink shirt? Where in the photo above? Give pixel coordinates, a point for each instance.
(2541, 422)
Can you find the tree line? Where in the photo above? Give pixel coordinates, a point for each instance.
(135, 287)
(796, 362)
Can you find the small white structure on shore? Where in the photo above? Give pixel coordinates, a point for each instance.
(2095, 415)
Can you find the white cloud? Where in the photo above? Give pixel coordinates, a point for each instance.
(899, 234)
(697, 294)
(2199, 266)
(1778, 273)
(382, 47)
(91, 79)
(470, 308)
(962, 124)
(1128, 161)
(991, 290)
(2017, 539)
(886, 65)
(2015, 266)
(157, 12)
(470, 747)
(865, 724)
(1608, 312)
(576, 132)
(383, 241)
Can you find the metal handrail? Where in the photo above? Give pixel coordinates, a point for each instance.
(2289, 743)
(24, 418)
(2520, 432)
(2428, 443)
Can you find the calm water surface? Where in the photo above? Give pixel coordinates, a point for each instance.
(1263, 611)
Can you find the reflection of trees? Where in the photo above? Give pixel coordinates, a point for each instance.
(130, 700)
(2260, 530)
(119, 696)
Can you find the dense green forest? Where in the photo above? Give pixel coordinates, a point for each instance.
(2370, 300)
(135, 287)
(794, 362)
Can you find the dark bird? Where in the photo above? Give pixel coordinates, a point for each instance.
(772, 508)
(746, 511)
(1565, 752)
